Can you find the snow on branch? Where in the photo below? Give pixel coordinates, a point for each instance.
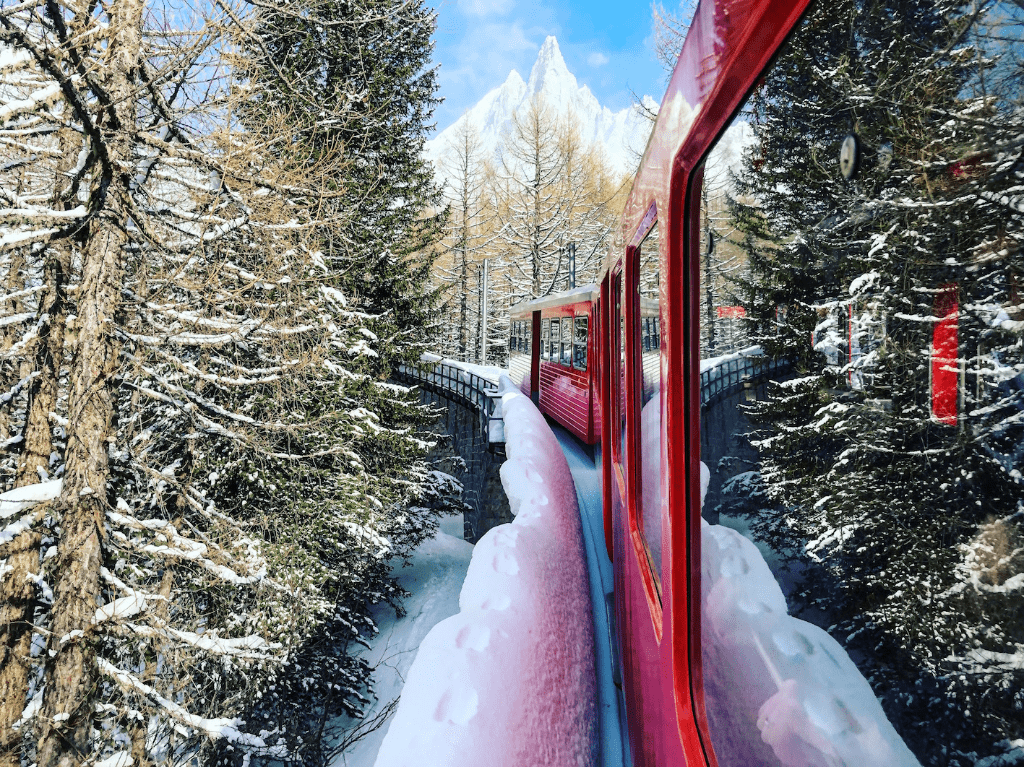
(215, 729)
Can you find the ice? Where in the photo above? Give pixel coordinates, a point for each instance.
(779, 690)
(510, 680)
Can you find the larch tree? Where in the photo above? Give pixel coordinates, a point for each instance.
(214, 425)
(531, 206)
(470, 235)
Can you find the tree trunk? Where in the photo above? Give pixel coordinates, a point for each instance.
(17, 590)
(65, 720)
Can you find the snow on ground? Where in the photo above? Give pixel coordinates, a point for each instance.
(510, 680)
(434, 580)
(771, 675)
(710, 362)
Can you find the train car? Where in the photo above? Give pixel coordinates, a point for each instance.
(553, 358)
(651, 446)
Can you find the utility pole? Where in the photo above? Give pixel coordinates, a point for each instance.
(483, 312)
(572, 265)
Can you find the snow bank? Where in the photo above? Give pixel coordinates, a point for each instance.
(510, 680)
(767, 673)
(25, 497)
(433, 580)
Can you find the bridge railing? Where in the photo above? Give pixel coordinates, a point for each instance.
(730, 375)
(456, 383)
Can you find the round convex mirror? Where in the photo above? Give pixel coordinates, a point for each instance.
(848, 157)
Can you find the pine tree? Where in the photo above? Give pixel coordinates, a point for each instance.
(891, 505)
(354, 86)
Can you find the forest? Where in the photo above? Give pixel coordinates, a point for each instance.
(217, 230)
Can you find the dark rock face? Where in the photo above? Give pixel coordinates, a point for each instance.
(463, 442)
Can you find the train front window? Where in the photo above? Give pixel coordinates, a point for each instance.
(566, 348)
(553, 354)
(545, 340)
(862, 394)
(579, 343)
(648, 298)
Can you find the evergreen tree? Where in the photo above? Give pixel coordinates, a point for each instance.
(895, 505)
(352, 82)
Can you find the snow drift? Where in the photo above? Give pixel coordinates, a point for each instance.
(510, 680)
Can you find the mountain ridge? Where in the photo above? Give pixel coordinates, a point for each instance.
(622, 135)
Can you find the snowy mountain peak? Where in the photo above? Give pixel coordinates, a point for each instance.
(550, 76)
(621, 134)
(514, 80)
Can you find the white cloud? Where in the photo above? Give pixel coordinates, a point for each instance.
(597, 59)
(485, 7)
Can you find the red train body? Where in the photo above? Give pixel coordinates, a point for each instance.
(559, 350)
(644, 390)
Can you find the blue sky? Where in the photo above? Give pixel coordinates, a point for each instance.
(607, 44)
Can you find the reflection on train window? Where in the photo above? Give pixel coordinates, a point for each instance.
(647, 298)
(579, 343)
(527, 336)
(553, 355)
(545, 340)
(862, 392)
(566, 348)
(621, 397)
(617, 375)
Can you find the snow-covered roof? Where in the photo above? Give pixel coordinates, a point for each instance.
(575, 296)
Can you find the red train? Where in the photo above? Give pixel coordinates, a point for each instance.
(553, 354)
(619, 365)
(635, 392)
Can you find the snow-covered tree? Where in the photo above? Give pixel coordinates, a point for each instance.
(469, 239)
(236, 470)
(908, 516)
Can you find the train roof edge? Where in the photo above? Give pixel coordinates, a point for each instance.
(577, 295)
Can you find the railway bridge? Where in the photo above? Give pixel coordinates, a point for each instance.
(473, 421)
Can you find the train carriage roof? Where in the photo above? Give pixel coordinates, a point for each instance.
(578, 295)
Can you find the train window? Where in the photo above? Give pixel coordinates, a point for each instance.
(617, 374)
(555, 343)
(527, 336)
(876, 472)
(579, 343)
(566, 347)
(545, 340)
(648, 288)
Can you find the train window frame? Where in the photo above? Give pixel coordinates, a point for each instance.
(654, 572)
(565, 343)
(577, 344)
(616, 372)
